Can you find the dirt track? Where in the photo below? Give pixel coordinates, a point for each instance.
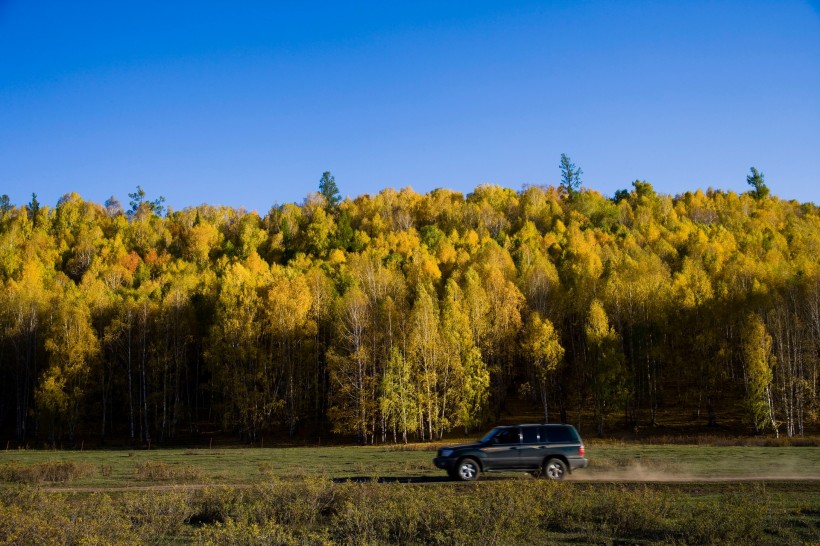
(626, 477)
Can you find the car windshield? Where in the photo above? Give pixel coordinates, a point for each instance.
(502, 435)
(487, 437)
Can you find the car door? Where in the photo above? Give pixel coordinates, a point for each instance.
(503, 450)
(530, 454)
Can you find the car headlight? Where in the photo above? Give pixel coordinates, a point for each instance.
(446, 452)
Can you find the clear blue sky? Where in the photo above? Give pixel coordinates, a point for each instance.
(247, 103)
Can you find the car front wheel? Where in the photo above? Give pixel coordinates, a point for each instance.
(555, 469)
(467, 470)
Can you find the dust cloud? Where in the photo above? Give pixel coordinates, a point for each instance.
(637, 471)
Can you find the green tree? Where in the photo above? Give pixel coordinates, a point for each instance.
(34, 209)
(5, 205)
(138, 204)
(570, 176)
(329, 190)
(620, 195)
(755, 180)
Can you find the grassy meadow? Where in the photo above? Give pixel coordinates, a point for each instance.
(616, 461)
(380, 495)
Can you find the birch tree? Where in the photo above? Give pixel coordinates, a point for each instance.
(757, 349)
(543, 350)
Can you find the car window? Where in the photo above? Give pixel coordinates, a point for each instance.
(557, 435)
(489, 436)
(530, 435)
(506, 436)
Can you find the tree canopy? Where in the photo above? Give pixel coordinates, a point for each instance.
(408, 316)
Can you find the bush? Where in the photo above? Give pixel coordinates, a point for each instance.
(739, 517)
(319, 511)
(29, 516)
(158, 517)
(295, 503)
(159, 471)
(269, 533)
(53, 472)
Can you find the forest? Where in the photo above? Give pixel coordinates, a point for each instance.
(403, 317)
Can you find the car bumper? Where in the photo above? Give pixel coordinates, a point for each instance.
(578, 463)
(445, 463)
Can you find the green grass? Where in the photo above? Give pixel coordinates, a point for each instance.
(239, 466)
(682, 462)
(303, 495)
(247, 466)
(616, 462)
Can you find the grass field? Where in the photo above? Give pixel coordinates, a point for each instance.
(355, 495)
(242, 466)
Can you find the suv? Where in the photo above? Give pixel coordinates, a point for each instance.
(548, 450)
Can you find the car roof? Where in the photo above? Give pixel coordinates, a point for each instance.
(535, 425)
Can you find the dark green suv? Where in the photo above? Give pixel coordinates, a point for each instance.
(546, 450)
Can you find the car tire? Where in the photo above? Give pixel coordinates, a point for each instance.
(554, 469)
(467, 470)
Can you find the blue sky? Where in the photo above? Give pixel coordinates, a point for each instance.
(247, 103)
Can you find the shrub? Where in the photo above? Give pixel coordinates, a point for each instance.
(268, 533)
(297, 503)
(158, 517)
(53, 472)
(160, 471)
(739, 517)
(30, 516)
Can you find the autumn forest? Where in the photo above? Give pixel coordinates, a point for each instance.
(402, 317)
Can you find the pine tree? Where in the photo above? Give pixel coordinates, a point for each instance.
(570, 176)
(755, 180)
(329, 190)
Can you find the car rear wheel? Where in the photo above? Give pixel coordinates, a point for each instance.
(467, 470)
(555, 469)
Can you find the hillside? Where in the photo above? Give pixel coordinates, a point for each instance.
(405, 316)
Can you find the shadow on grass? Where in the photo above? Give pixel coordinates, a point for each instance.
(407, 479)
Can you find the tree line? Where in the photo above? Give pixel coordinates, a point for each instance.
(404, 316)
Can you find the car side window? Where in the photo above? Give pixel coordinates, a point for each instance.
(530, 435)
(507, 436)
(558, 435)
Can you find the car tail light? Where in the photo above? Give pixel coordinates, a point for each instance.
(581, 451)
